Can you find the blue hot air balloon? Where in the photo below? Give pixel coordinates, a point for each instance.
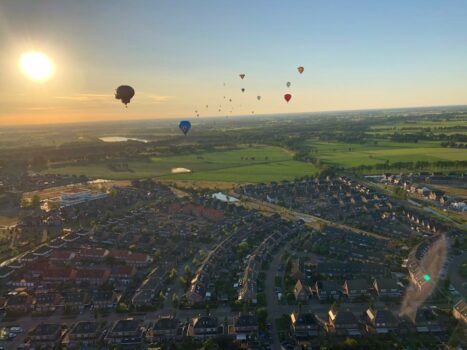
(185, 126)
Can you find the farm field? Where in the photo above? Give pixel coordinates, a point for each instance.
(353, 155)
(253, 164)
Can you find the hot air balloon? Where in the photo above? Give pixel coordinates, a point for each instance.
(287, 97)
(258, 97)
(230, 100)
(185, 126)
(124, 93)
(300, 69)
(197, 115)
(242, 76)
(288, 84)
(207, 106)
(243, 89)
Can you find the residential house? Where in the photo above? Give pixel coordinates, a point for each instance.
(343, 323)
(46, 302)
(381, 321)
(301, 291)
(204, 327)
(328, 290)
(304, 325)
(104, 299)
(357, 288)
(83, 332)
(74, 301)
(92, 276)
(164, 328)
(245, 325)
(46, 335)
(19, 303)
(125, 333)
(387, 287)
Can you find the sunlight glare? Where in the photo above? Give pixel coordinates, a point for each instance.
(36, 65)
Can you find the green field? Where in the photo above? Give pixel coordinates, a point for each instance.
(437, 127)
(254, 164)
(353, 155)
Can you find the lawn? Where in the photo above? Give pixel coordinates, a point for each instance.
(352, 155)
(246, 164)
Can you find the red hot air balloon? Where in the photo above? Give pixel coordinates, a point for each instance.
(242, 76)
(287, 97)
(300, 69)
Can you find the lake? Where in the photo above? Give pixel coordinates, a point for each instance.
(120, 139)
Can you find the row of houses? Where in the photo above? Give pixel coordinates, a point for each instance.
(352, 289)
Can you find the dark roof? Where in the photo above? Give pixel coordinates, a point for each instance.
(167, 322)
(329, 286)
(125, 326)
(304, 319)
(387, 283)
(345, 317)
(246, 320)
(205, 322)
(359, 284)
(45, 329)
(85, 327)
(385, 316)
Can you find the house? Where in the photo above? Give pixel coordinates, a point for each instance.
(46, 335)
(460, 311)
(42, 251)
(19, 303)
(122, 274)
(93, 254)
(301, 292)
(74, 301)
(62, 256)
(204, 327)
(125, 333)
(381, 321)
(58, 274)
(304, 325)
(46, 302)
(83, 332)
(357, 288)
(426, 321)
(343, 323)
(164, 328)
(104, 299)
(92, 276)
(129, 258)
(328, 290)
(244, 325)
(387, 287)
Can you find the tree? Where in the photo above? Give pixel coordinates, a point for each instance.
(173, 274)
(175, 300)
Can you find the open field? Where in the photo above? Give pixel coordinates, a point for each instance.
(353, 155)
(246, 164)
(436, 127)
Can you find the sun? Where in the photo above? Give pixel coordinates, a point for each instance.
(36, 65)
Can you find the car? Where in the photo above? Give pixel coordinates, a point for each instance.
(16, 329)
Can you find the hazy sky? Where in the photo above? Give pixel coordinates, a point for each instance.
(177, 55)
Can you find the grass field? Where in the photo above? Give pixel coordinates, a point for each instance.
(352, 155)
(253, 164)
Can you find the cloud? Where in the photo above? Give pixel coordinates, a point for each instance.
(86, 97)
(159, 99)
